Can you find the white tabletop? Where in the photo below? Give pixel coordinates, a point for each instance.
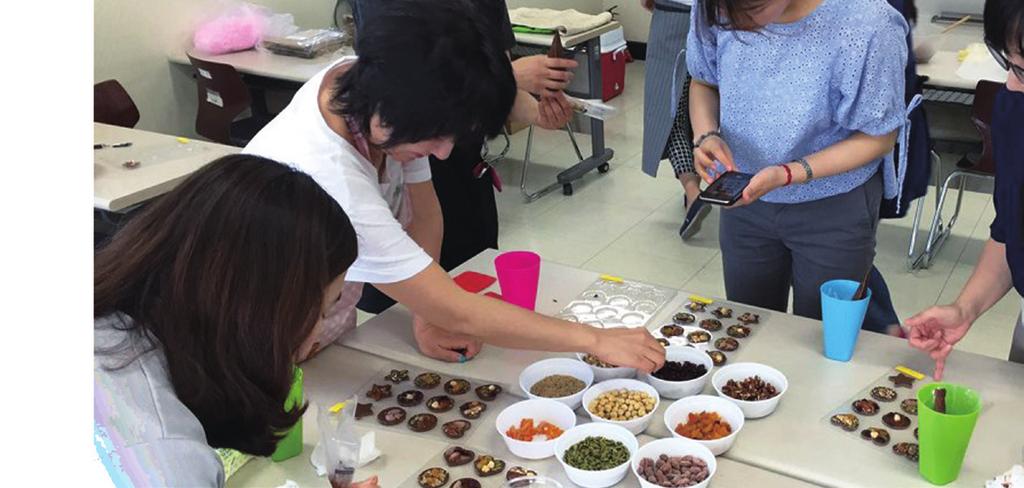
(263, 63)
(811, 449)
(567, 41)
(942, 68)
(164, 162)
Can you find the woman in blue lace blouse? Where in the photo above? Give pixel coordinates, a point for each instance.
(807, 95)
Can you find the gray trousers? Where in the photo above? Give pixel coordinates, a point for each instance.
(768, 248)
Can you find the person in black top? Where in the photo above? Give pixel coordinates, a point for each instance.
(1001, 265)
(463, 183)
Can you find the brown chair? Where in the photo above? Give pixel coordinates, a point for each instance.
(982, 168)
(222, 97)
(112, 105)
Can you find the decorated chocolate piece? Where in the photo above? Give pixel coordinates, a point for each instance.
(456, 387)
(866, 406)
(915, 432)
(433, 478)
(940, 400)
(727, 344)
(363, 410)
(698, 337)
(908, 450)
(738, 331)
(422, 422)
(878, 436)
(883, 393)
(683, 318)
(672, 330)
(427, 381)
(896, 421)
(519, 472)
(664, 342)
(718, 358)
(847, 421)
(473, 409)
(909, 406)
(410, 398)
(722, 312)
(397, 376)
(488, 466)
(466, 483)
(457, 456)
(456, 428)
(902, 379)
(696, 306)
(711, 324)
(488, 392)
(391, 416)
(749, 318)
(440, 403)
(379, 392)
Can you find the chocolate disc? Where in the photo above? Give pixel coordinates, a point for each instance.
(878, 436)
(718, 358)
(909, 406)
(664, 342)
(440, 403)
(883, 393)
(397, 376)
(683, 318)
(488, 466)
(457, 456)
(672, 330)
(466, 483)
(410, 398)
(738, 331)
(727, 344)
(749, 318)
(433, 478)
(472, 410)
(456, 387)
(696, 306)
(488, 392)
(847, 421)
(711, 324)
(866, 406)
(456, 428)
(391, 416)
(379, 392)
(722, 312)
(908, 450)
(422, 422)
(427, 381)
(698, 337)
(519, 472)
(896, 421)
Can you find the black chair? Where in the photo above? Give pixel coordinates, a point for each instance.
(112, 105)
(222, 97)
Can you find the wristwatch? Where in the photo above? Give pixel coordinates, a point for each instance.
(700, 140)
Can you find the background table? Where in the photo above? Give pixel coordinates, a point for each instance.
(257, 62)
(796, 440)
(165, 162)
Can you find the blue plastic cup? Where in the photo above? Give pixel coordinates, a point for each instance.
(842, 317)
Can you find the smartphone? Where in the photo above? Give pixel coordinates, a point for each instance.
(727, 189)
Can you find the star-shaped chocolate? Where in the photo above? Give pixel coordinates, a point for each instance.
(902, 379)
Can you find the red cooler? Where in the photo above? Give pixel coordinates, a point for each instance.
(613, 64)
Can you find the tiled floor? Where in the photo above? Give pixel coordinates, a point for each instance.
(626, 223)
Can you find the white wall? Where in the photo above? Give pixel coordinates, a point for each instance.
(131, 41)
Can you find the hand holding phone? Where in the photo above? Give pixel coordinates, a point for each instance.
(727, 189)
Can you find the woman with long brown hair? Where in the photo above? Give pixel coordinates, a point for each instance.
(203, 302)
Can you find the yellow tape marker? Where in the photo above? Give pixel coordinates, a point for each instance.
(909, 372)
(700, 299)
(183, 140)
(337, 407)
(613, 279)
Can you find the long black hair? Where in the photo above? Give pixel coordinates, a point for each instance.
(428, 69)
(226, 275)
(1004, 25)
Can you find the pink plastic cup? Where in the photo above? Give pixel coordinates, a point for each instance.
(518, 275)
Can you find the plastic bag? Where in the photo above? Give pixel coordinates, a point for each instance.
(340, 440)
(240, 27)
(594, 109)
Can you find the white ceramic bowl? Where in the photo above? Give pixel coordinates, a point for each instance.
(539, 410)
(678, 413)
(674, 446)
(741, 371)
(680, 389)
(596, 479)
(635, 426)
(547, 367)
(604, 374)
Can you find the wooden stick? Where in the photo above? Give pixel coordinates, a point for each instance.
(863, 288)
(956, 24)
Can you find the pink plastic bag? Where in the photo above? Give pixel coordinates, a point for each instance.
(239, 28)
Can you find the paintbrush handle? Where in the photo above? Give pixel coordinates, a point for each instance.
(956, 24)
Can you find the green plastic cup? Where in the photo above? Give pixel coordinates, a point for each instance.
(943, 438)
(291, 444)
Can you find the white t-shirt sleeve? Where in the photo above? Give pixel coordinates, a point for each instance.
(387, 254)
(417, 171)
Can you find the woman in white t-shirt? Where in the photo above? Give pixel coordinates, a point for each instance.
(427, 73)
